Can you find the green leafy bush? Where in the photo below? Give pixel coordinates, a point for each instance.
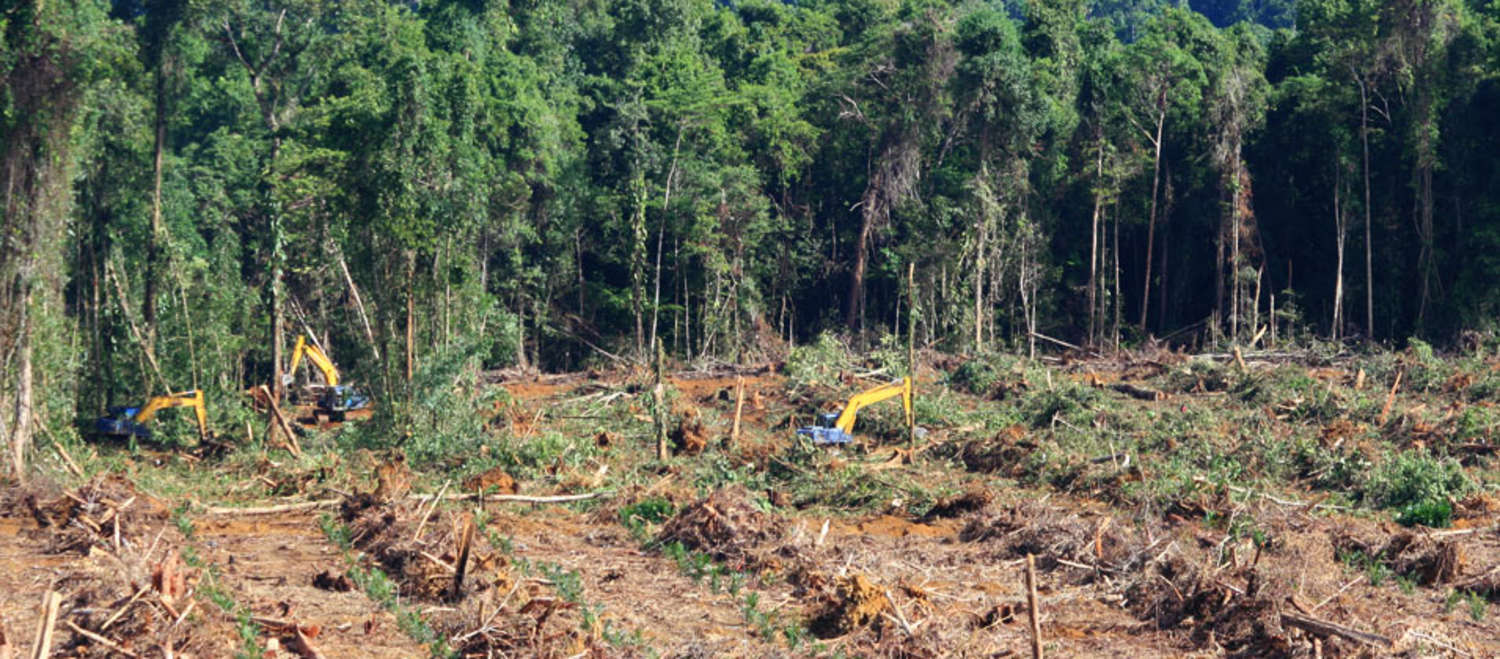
(1419, 485)
(817, 362)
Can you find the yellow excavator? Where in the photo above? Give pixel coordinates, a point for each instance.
(131, 421)
(838, 427)
(330, 398)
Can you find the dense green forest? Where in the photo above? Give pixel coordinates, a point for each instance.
(188, 185)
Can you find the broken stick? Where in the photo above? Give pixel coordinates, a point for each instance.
(1031, 608)
(463, 556)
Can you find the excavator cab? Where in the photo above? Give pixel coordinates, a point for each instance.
(837, 428)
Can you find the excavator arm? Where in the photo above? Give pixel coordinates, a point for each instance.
(316, 356)
(135, 420)
(902, 388)
(839, 429)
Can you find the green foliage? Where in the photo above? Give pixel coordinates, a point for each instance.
(1418, 485)
(817, 363)
(638, 516)
(974, 376)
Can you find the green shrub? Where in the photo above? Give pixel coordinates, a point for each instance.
(1434, 514)
(975, 376)
(1417, 484)
(817, 362)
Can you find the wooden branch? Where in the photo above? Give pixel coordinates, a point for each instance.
(359, 304)
(417, 535)
(57, 445)
(271, 510)
(101, 640)
(41, 647)
(1325, 628)
(135, 330)
(518, 498)
(1340, 591)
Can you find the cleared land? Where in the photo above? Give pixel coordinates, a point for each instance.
(1286, 505)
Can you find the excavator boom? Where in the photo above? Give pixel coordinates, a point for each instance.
(129, 421)
(839, 428)
(316, 356)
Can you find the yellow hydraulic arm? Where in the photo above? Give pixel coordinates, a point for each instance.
(193, 399)
(900, 388)
(316, 356)
(840, 429)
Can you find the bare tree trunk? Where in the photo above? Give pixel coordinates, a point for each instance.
(1364, 138)
(1169, 199)
(1426, 260)
(980, 262)
(1161, 120)
(1119, 303)
(854, 306)
(411, 320)
(20, 431)
(153, 239)
(1234, 258)
(1094, 247)
(1338, 281)
(666, 205)
(277, 325)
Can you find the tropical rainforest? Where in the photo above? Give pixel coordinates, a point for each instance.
(554, 185)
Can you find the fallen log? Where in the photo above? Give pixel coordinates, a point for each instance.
(1140, 393)
(1326, 628)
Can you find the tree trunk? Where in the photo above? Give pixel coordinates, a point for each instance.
(1364, 138)
(854, 306)
(1119, 302)
(979, 267)
(1234, 259)
(411, 319)
(1426, 260)
(153, 239)
(1161, 120)
(20, 431)
(1094, 247)
(1338, 280)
